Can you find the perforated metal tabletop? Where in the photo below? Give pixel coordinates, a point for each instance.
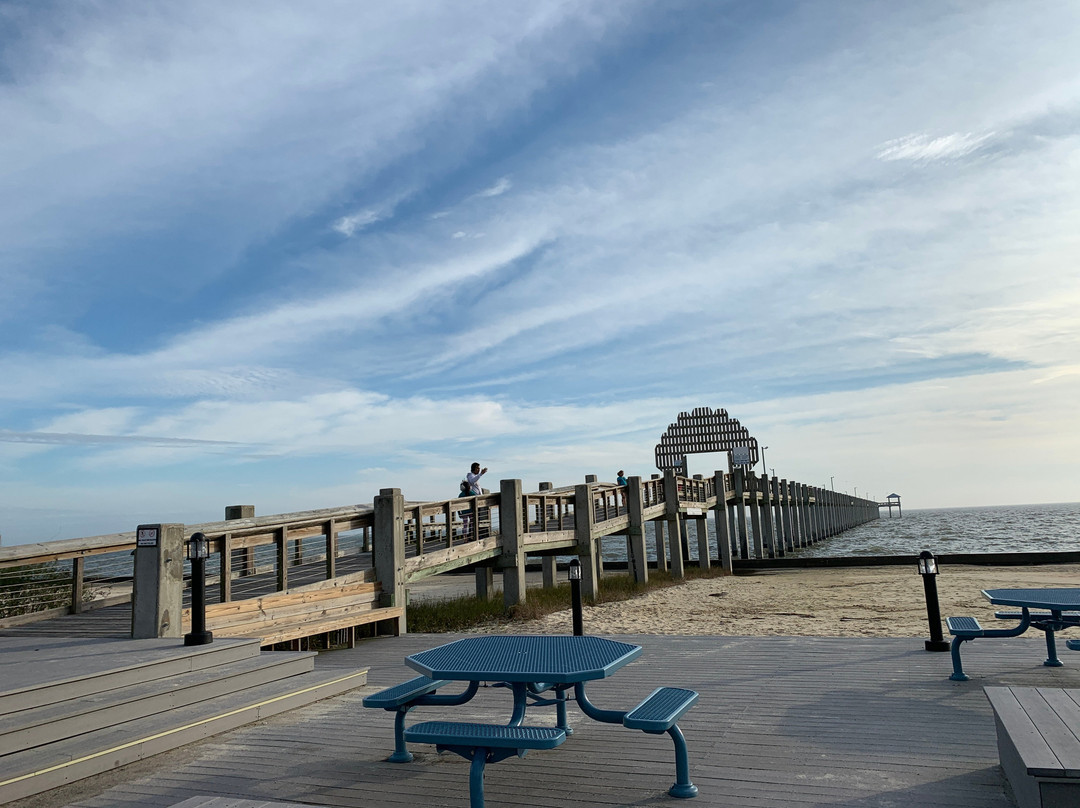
(556, 659)
(1051, 599)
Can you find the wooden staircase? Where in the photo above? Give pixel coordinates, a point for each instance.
(70, 709)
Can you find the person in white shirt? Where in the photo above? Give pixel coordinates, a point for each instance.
(473, 478)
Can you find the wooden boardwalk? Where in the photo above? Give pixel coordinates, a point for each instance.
(782, 723)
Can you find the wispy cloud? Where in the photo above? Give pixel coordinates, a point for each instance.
(923, 148)
(498, 189)
(350, 225)
(372, 240)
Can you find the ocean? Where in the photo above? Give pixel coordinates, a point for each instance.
(991, 529)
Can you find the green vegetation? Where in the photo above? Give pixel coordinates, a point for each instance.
(33, 588)
(468, 612)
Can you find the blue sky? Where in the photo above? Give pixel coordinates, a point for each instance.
(289, 254)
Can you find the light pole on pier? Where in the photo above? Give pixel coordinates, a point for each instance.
(764, 468)
(831, 486)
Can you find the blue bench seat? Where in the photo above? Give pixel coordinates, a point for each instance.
(482, 744)
(393, 698)
(964, 629)
(656, 715)
(401, 698)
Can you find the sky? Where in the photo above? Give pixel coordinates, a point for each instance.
(287, 254)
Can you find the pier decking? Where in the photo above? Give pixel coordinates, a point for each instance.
(782, 723)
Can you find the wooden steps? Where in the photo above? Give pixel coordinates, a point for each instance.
(136, 698)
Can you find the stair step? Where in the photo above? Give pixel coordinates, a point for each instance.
(33, 771)
(53, 722)
(83, 667)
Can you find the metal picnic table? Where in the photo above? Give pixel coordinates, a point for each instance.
(531, 665)
(1056, 609)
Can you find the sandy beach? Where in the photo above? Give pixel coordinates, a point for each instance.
(840, 602)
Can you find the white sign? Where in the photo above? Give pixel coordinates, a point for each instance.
(740, 456)
(693, 511)
(147, 537)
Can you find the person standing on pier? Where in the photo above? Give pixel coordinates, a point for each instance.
(621, 478)
(473, 478)
(470, 487)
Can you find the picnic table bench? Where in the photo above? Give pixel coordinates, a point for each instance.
(529, 666)
(1048, 610)
(1038, 736)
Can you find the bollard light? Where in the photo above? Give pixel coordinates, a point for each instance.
(928, 570)
(927, 563)
(573, 572)
(198, 548)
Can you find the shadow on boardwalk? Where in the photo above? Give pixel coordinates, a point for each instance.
(782, 723)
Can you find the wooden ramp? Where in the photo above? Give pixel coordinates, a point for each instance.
(70, 709)
(783, 722)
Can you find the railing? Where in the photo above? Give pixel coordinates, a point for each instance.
(256, 556)
(548, 512)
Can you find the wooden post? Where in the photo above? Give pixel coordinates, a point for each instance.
(512, 539)
(157, 589)
(789, 536)
(547, 563)
(720, 519)
(586, 544)
(636, 540)
(225, 564)
(768, 533)
(755, 515)
(282, 542)
(804, 515)
(388, 544)
(330, 534)
(740, 512)
(661, 545)
(485, 582)
(77, 570)
(247, 563)
(704, 554)
(671, 512)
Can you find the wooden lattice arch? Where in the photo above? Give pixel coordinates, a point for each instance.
(701, 431)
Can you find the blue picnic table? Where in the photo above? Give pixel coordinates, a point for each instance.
(540, 671)
(1048, 610)
(531, 665)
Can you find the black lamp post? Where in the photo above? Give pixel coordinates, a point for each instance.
(928, 570)
(574, 574)
(197, 550)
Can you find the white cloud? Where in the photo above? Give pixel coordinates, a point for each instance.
(498, 189)
(923, 148)
(349, 225)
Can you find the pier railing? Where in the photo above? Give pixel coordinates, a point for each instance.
(754, 517)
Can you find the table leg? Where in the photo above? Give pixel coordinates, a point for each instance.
(560, 711)
(521, 690)
(1052, 660)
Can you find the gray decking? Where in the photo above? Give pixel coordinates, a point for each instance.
(782, 722)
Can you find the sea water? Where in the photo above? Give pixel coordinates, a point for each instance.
(992, 529)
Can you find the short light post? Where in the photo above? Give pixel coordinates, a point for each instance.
(928, 571)
(574, 574)
(197, 550)
(764, 468)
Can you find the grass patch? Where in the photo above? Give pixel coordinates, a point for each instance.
(468, 612)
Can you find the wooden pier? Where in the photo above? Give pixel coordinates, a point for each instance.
(288, 577)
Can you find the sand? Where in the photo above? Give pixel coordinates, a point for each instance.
(833, 602)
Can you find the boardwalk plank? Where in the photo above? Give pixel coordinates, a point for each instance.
(782, 723)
